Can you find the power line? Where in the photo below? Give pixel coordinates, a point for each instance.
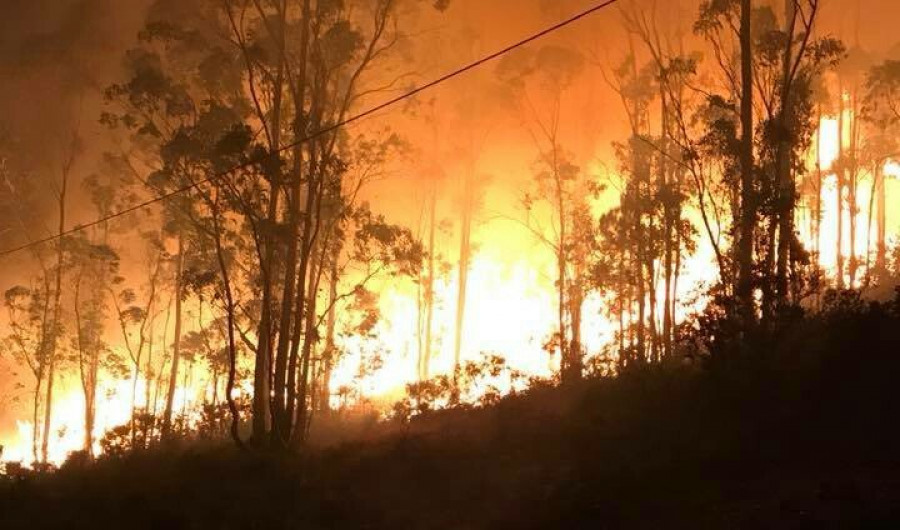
(365, 114)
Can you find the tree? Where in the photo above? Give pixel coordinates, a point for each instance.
(778, 70)
(193, 118)
(30, 326)
(135, 317)
(881, 108)
(560, 183)
(93, 264)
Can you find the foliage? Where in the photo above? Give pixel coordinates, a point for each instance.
(476, 382)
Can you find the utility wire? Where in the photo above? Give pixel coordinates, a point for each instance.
(390, 103)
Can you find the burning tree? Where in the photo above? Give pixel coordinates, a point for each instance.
(192, 118)
(560, 185)
(768, 92)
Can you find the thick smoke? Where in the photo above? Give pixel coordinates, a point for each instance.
(54, 56)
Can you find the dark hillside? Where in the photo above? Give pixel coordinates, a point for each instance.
(800, 435)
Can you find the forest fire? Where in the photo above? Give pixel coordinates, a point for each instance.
(269, 225)
(510, 309)
(67, 432)
(853, 223)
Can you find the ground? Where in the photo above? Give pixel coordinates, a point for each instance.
(803, 437)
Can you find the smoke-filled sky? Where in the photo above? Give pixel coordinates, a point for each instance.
(56, 55)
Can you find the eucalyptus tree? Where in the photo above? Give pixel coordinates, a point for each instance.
(882, 110)
(560, 185)
(94, 264)
(234, 108)
(768, 66)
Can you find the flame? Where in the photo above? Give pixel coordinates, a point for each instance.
(510, 311)
(828, 145)
(67, 431)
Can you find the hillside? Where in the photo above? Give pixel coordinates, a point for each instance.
(802, 434)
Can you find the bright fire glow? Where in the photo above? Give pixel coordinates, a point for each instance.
(510, 311)
(67, 431)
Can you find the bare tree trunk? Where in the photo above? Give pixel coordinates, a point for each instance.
(429, 288)
(881, 252)
(652, 305)
(669, 246)
(262, 371)
(576, 308)
(285, 359)
(89, 424)
(675, 280)
(748, 201)
(767, 287)
(154, 403)
(570, 369)
(329, 356)
(839, 206)
(307, 289)
(280, 428)
(309, 340)
(620, 290)
(176, 345)
(641, 292)
(853, 188)
(576, 365)
(232, 347)
(57, 311)
(817, 214)
(870, 218)
(48, 409)
(148, 368)
(465, 256)
(785, 182)
(303, 301)
(80, 345)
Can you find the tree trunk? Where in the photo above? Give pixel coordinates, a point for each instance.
(620, 290)
(232, 347)
(785, 183)
(176, 345)
(566, 362)
(429, 288)
(817, 213)
(262, 371)
(329, 356)
(465, 256)
(839, 206)
(881, 234)
(575, 365)
(283, 383)
(853, 188)
(651, 291)
(748, 206)
(309, 340)
(85, 386)
(870, 219)
(641, 295)
(48, 410)
(57, 315)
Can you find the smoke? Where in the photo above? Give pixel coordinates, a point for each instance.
(55, 56)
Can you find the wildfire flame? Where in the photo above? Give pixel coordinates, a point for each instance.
(510, 311)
